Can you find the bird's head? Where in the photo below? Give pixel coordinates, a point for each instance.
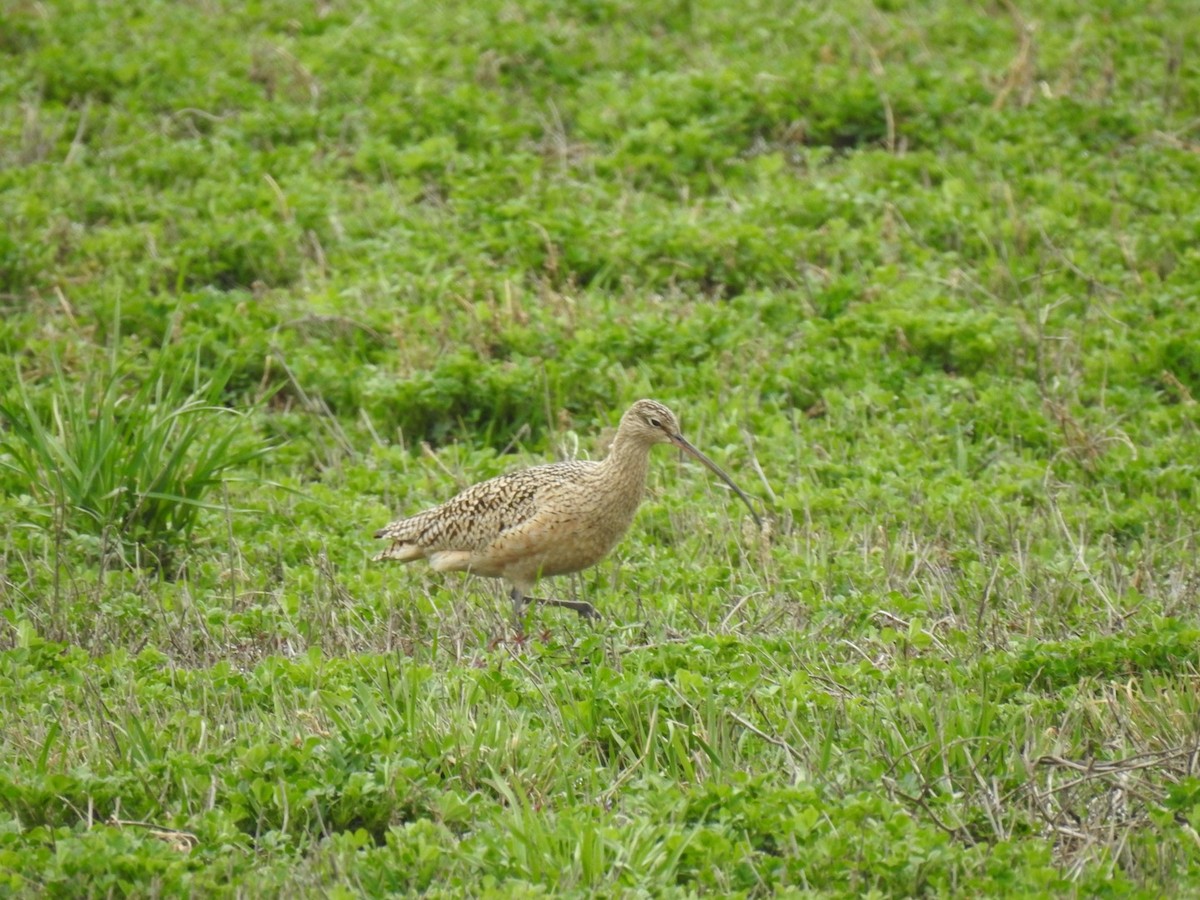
(649, 423)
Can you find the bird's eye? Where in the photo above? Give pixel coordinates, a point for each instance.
(655, 423)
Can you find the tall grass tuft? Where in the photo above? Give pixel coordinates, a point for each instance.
(128, 457)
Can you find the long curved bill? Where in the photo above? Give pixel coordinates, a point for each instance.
(684, 444)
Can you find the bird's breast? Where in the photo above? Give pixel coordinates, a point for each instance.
(583, 534)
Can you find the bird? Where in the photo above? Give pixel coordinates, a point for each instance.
(547, 520)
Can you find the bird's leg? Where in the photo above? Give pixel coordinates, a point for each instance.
(518, 602)
(582, 607)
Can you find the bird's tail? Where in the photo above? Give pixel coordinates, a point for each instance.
(403, 536)
(401, 552)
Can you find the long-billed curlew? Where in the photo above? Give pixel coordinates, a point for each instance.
(548, 520)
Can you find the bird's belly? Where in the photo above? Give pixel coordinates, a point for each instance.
(557, 548)
(567, 557)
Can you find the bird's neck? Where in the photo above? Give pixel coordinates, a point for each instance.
(628, 461)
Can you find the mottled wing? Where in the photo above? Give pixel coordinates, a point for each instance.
(474, 519)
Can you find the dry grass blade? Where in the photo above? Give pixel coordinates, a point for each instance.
(181, 841)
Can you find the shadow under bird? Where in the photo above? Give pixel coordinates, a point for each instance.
(547, 520)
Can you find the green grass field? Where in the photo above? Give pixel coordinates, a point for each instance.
(923, 276)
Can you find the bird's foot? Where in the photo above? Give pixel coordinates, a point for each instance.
(520, 601)
(585, 609)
